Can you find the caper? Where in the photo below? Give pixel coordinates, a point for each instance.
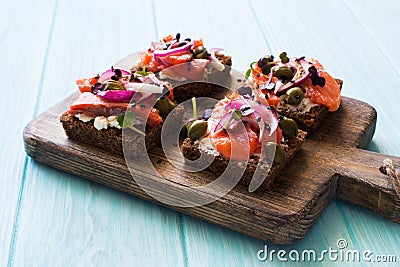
(111, 85)
(294, 96)
(279, 153)
(200, 52)
(197, 129)
(262, 62)
(284, 73)
(244, 90)
(165, 105)
(289, 128)
(266, 69)
(284, 58)
(96, 88)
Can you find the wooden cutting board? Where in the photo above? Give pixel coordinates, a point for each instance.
(331, 163)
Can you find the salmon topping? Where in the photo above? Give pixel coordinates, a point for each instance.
(92, 105)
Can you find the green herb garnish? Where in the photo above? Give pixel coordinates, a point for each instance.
(126, 121)
(248, 72)
(143, 72)
(190, 122)
(235, 115)
(194, 104)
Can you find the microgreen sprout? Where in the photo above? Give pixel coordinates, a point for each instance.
(143, 72)
(126, 121)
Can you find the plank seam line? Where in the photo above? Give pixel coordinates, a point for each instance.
(370, 36)
(153, 11)
(259, 25)
(26, 162)
(357, 17)
(182, 232)
(342, 210)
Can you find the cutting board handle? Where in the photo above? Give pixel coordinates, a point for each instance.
(371, 180)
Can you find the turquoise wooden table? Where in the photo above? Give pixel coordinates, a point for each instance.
(50, 218)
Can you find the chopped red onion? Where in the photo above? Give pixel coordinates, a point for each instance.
(174, 51)
(144, 87)
(221, 124)
(213, 58)
(262, 115)
(299, 80)
(123, 96)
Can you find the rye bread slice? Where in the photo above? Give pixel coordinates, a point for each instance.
(110, 139)
(307, 121)
(215, 81)
(190, 150)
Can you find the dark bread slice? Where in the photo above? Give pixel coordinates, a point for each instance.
(109, 139)
(197, 89)
(308, 121)
(190, 150)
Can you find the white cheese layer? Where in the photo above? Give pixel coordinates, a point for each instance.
(100, 122)
(83, 117)
(206, 146)
(305, 105)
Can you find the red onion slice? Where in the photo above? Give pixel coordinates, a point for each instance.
(215, 50)
(267, 117)
(251, 121)
(213, 58)
(262, 116)
(144, 87)
(163, 61)
(109, 73)
(236, 104)
(298, 80)
(151, 78)
(157, 46)
(120, 96)
(223, 121)
(169, 52)
(144, 96)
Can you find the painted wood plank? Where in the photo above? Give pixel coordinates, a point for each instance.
(313, 35)
(316, 35)
(203, 238)
(67, 221)
(383, 34)
(206, 235)
(353, 48)
(284, 213)
(18, 38)
(70, 221)
(225, 24)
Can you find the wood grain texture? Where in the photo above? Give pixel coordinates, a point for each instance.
(370, 17)
(230, 31)
(68, 221)
(331, 33)
(280, 215)
(316, 35)
(338, 39)
(18, 100)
